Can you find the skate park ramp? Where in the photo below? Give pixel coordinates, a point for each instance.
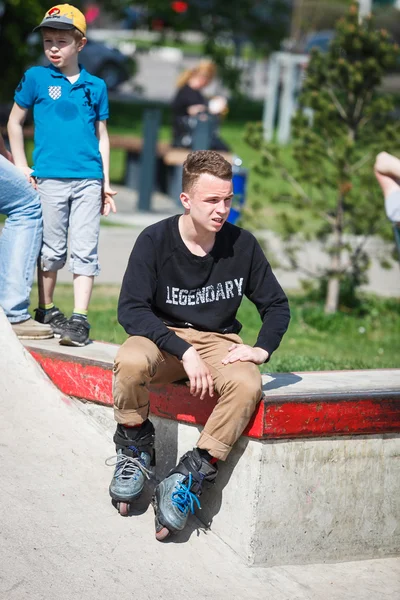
(61, 539)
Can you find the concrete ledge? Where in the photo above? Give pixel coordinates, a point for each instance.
(302, 501)
(303, 485)
(296, 405)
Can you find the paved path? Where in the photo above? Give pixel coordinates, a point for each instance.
(116, 244)
(61, 538)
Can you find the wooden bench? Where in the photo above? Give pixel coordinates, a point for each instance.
(152, 164)
(169, 161)
(133, 146)
(175, 157)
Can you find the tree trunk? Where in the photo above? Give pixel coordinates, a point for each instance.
(332, 295)
(333, 289)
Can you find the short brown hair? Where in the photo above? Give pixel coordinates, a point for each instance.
(204, 161)
(76, 34)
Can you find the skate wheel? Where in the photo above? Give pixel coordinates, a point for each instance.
(123, 508)
(162, 534)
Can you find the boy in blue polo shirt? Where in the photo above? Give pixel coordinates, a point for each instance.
(71, 165)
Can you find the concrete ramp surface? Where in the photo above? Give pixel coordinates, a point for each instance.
(61, 539)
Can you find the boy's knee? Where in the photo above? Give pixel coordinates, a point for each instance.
(32, 208)
(247, 387)
(133, 362)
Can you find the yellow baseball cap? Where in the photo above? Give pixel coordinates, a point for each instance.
(64, 16)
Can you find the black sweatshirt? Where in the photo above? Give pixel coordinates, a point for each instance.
(185, 97)
(165, 284)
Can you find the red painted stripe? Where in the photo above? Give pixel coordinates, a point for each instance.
(89, 382)
(94, 383)
(174, 401)
(274, 419)
(340, 417)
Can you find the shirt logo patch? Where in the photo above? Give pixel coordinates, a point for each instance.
(55, 91)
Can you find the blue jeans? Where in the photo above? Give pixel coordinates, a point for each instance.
(20, 241)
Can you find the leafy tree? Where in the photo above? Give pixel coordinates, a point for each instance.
(224, 24)
(17, 20)
(314, 15)
(262, 23)
(334, 149)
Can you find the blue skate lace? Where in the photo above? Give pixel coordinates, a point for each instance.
(183, 498)
(127, 466)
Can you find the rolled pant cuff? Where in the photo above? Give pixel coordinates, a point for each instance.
(51, 266)
(89, 270)
(131, 416)
(213, 446)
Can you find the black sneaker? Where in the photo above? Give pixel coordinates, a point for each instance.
(76, 332)
(53, 317)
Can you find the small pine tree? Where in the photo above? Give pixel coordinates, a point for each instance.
(334, 150)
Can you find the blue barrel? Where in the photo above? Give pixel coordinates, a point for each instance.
(239, 181)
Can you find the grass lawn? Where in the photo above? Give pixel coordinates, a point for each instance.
(314, 341)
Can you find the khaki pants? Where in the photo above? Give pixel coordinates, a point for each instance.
(140, 362)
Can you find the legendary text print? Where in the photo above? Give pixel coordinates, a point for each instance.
(209, 293)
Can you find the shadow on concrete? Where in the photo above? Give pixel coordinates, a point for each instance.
(194, 525)
(211, 498)
(166, 446)
(280, 380)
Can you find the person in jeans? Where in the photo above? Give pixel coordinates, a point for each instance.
(20, 243)
(181, 291)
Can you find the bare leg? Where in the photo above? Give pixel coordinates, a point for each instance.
(387, 183)
(83, 285)
(46, 283)
(387, 172)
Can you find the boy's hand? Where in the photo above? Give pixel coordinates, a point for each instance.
(245, 353)
(199, 374)
(27, 172)
(108, 201)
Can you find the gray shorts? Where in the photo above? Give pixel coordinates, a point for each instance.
(70, 205)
